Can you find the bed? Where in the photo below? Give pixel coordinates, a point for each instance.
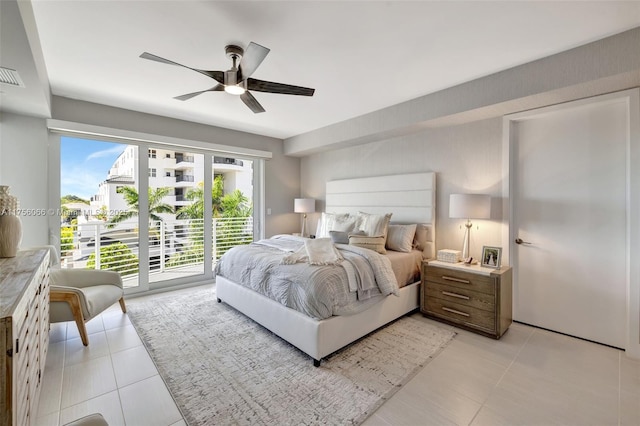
(411, 200)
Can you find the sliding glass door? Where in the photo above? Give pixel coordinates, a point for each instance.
(149, 213)
(232, 207)
(176, 248)
(99, 207)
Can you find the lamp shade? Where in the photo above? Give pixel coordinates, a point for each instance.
(470, 206)
(304, 205)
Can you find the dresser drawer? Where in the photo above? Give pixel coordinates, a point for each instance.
(461, 279)
(462, 314)
(462, 296)
(24, 323)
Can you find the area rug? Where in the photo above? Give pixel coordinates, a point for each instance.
(223, 368)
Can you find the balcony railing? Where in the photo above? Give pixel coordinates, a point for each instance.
(184, 159)
(172, 244)
(184, 178)
(227, 160)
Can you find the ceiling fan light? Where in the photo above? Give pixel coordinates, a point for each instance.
(234, 89)
(231, 82)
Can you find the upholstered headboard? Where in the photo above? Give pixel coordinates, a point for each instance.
(410, 197)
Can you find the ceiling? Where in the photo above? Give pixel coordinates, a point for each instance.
(360, 56)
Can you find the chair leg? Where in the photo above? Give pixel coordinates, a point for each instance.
(81, 327)
(74, 304)
(122, 305)
(76, 310)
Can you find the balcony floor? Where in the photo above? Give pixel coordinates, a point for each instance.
(167, 274)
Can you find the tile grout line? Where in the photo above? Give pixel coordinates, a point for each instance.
(619, 388)
(113, 370)
(64, 367)
(64, 370)
(506, 370)
(64, 362)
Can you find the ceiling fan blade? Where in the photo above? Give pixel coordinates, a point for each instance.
(271, 87)
(253, 56)
(216, 75)
(251, 102)
(216, 88)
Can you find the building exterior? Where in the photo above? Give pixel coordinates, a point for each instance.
(178, 170)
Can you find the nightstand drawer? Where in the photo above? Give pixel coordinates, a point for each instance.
(462, 296)
(461, 279)
(471, 317)
(471, 297)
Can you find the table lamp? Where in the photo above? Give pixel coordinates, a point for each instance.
(469, 206)
(304, 205)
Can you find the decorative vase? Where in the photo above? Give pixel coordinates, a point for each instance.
(10, 224)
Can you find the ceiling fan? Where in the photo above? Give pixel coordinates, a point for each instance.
(236, 80)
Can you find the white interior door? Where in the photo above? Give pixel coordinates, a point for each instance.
(569, 207)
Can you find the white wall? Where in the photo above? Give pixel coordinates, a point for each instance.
(466, 158)
(23, 166)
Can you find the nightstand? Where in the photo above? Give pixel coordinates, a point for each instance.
(468, 296)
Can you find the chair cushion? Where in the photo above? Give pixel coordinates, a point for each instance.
(100, 297)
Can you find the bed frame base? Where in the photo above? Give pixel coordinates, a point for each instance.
(316, 338)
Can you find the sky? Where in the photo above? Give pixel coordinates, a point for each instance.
(84, 163)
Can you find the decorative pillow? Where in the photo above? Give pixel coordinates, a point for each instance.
(371, 243)
(374, 225)
(423, 236)
(424, 240)
(335, 222)
(400, 237)
(341, 237)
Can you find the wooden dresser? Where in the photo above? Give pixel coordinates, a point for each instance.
(24, 334)
(471, 297)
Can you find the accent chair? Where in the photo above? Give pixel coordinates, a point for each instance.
(81, 294)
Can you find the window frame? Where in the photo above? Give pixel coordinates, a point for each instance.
(58, 128)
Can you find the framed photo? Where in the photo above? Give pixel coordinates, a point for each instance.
(491, 256)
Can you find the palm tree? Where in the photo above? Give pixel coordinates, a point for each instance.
(232, 205)
(235, 204)
(131, 197)
(195, 210)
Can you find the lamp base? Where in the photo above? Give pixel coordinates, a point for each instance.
(304, 223)
(465, 245)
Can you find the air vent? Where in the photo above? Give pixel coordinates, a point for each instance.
(10, 77)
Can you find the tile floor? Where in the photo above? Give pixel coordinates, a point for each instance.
(529, 377)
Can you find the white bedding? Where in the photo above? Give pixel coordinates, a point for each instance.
(362, 279)
(411, 198)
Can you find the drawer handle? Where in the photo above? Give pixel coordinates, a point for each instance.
(459, 296)
(453, 311)
(458, 280)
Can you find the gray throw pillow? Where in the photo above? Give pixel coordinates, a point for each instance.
(342, 237)
(339, 237)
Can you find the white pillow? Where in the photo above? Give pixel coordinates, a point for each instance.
(343, 222)
(400, 237)
(374, 225)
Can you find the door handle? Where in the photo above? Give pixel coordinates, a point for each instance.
(521, 241)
